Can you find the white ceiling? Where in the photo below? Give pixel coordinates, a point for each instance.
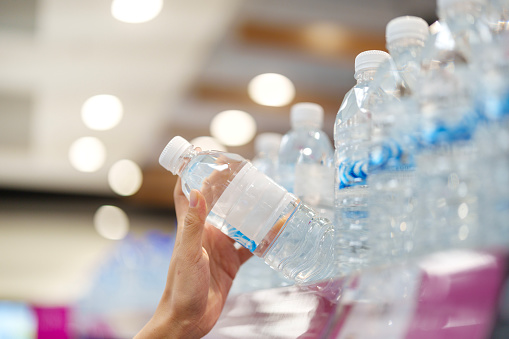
(76, 49)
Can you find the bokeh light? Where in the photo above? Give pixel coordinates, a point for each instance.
(111, 222)
(233, 128)
(102, 112)
(324, 37)
(271, 89)
(125, 177)
(87, 154)
(136, 11)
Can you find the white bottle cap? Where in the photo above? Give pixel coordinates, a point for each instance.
(370, 59)
(406, 27)
(441, 4)
(268, 142)
(172, 152)
(306, 113)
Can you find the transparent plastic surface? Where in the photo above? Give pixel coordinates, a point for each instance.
(306, 167)
(266, 158)
(392, 177)
(463, 29)
(493, 170)
(352, 135)
(448, 185)
(393, 183)
(256, 275)
(266, 164)
(492, 141)
(497, 16)
(260, 215)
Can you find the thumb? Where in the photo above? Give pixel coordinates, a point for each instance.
(194, 222)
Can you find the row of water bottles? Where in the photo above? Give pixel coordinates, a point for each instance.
(421, 140)
(420, 161)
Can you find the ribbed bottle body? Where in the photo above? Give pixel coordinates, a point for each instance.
(262, 216)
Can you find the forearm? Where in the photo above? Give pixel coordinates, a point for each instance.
(162, 326)
(158, 328)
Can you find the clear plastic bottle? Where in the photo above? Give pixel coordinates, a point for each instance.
(448, 186)
(493, 169)
(497, 15)
(405, 38)
(391, 178)
(492, 141)
(266, 150)
(463, 30)
(252, 209)
(306, 159)
(352, 134)
(255, 274)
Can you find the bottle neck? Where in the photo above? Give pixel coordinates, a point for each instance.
(184, 159)
(465, 8)
(461, 15)
(365, 75)
(463, 30)
(300, 126)
(405, 49)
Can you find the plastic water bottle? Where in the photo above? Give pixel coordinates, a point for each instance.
(492, 141)
(306, 159)
(391, 178)
(352, 134)
(497, 16)
(252, 209)
(493, 168)
(255, 274)
(405, 38)
(463, 30)
(448, 201)
(266, 150)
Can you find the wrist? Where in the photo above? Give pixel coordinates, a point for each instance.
(167, 328)
(158, 328)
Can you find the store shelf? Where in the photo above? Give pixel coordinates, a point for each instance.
(454, 294)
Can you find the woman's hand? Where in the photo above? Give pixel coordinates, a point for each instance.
(202, 267)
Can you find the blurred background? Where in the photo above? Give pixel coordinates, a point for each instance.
(91, 91)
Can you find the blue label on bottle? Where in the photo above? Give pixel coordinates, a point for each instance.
(353, 173)
(493, 107)
(348, 215)
(441, 132)
(239, 237)
(390, 156)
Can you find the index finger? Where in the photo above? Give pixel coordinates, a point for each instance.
(180, 201)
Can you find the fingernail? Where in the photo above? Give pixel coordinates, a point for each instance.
(193, 198)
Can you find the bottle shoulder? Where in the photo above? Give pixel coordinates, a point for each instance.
(312, 146)
(352, 105)
(305, 138)
(206, 162)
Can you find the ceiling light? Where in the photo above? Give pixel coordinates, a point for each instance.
(102, 112)
(136, 11)
(208, 144)
(111, 222)
(233, 128)
(271, 89)
(324, 37)
(125, 177)
(87, 154)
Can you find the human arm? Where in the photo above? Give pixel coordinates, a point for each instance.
(202, 268)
